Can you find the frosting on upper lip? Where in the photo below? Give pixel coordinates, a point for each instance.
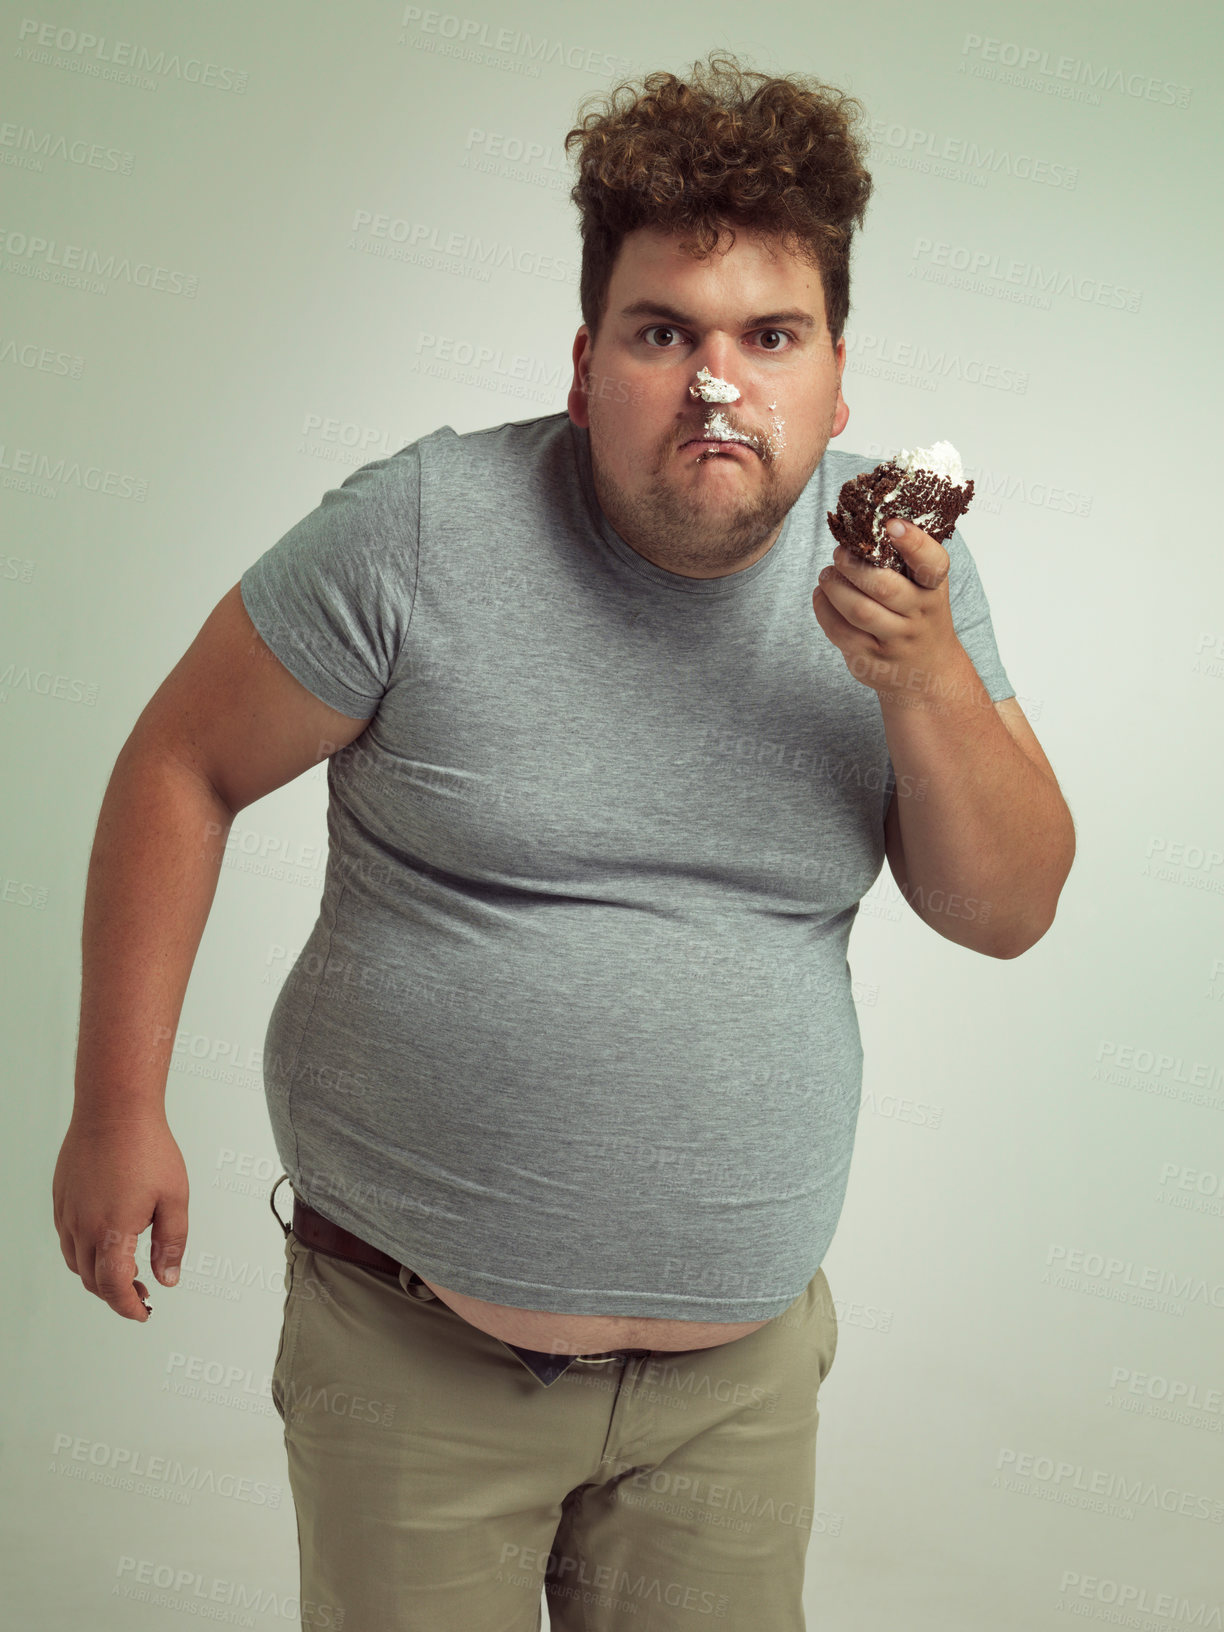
(718, 430)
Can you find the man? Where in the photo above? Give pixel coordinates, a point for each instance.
(566, 1076)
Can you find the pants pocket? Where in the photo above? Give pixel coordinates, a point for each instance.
(828, 1323)
(288, 1332)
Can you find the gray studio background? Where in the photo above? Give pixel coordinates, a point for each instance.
(1023, 1424)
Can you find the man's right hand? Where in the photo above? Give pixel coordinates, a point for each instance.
(112, 1180)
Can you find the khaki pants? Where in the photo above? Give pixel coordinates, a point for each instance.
(440, 1485)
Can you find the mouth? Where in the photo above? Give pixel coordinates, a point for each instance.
(717, 444)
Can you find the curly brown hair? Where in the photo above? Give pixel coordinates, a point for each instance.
(712, 153)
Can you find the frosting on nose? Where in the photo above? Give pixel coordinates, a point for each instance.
(709, 388)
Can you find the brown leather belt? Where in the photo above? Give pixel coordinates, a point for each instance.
(320, 1234)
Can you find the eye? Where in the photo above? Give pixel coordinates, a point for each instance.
(667, 328)
(656, 328)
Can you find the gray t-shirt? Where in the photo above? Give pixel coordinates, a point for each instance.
(574, 1029)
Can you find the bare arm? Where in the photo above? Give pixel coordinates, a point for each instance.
(227, 726)
(983, 847)
(152, 877)
(983, 856)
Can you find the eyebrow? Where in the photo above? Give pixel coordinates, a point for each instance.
(657, 308)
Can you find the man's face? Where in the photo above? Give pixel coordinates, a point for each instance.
(699, 511)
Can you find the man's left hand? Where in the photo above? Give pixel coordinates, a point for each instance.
(894, 633)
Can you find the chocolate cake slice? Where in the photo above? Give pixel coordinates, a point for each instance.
(926, 486)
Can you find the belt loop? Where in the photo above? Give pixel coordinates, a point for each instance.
(287, 1228)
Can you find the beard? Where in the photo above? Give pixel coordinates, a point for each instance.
(694, 526)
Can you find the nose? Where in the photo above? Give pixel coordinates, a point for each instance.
(718, 357)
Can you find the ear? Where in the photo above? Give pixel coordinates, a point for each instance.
(577, 401)
(841, 414)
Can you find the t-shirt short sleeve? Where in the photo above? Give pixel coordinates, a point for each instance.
(971, 619)
(333, 598)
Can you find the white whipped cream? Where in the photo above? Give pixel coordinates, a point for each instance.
(716, 426)
(710, 388)
(942, 460)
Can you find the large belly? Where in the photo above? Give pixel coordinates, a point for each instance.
(588, 1334)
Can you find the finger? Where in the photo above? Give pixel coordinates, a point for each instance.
(857, 608)
(927, 561)
(115, 1281)
(169, 1241)
(68, 1248)
(86, 1256)
(883, 584)
(839, 630)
